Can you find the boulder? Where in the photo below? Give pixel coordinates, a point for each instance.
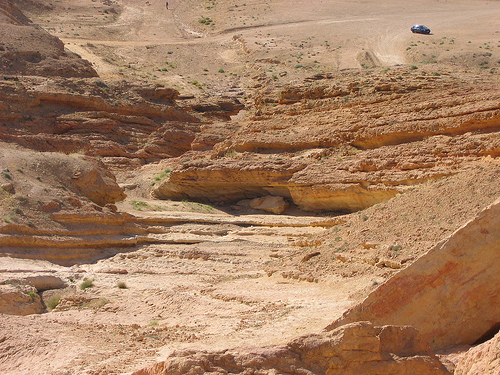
(451, 294)
(93, 180)
(270, 203)
(19, 300)
(45, 282)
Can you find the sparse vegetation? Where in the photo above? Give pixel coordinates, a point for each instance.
(121, 285)
(87, 283)
(205, 20)
(33, 295)
(163, 175)
(53, 301)
(140, 205)
(6, 174)
(197, 84)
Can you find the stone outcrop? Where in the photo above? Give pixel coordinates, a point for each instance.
(451, 294)
(342, 180)
(94, 181)
(80, 237)
(330, 146)
(39, 282)
(86, 177)
(127, 125)
(357, 349)
(483, 359)
(83, 116)
(87, 235)
(28, 49)
(19, 296)
(16, 299)
(365, 117)
(217, 181)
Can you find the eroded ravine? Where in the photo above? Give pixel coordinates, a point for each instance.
(97, 285)
(194, 275)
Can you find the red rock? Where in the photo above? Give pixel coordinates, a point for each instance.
(50, 206)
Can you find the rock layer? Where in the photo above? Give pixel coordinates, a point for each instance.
(334, 146)
(127, 125)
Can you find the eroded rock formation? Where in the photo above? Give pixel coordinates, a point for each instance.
(334, 143)
(451, 294)
(31, 50)
(343, 147)
(127, 125)
(17, 299)
(357, 349)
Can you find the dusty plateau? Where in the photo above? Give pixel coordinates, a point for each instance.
(241, 187)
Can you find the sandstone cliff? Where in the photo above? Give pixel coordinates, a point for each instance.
(125, 124)
(330, 146)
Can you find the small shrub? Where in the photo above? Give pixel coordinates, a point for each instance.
(395, 247)
(163, 174)
(87, 283)
(121, 285)
(95, 303)
(205, 20)
(6, 174)
(197, 84)
(153, 322)
(53, 302)
(139, 205)
(221, 70)
(33, 295)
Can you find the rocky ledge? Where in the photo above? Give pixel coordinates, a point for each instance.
(345, 142)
